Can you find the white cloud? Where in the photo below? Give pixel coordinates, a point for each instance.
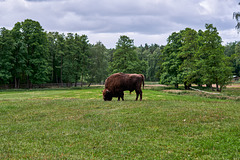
(229, 36)
(143, 20)
(110, 39)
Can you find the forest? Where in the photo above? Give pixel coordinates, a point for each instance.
(30, 55)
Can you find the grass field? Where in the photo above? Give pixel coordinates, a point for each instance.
(78, 124)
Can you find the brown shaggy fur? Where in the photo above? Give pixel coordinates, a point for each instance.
(119, 82)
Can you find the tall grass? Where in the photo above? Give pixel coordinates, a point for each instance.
(78, 124)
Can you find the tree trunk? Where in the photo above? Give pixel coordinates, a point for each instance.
(61, 71)
(75, 84)
(18, 83)
(28, 82)
(221, 86)
(82, 80)
(209, 85)
(15, 81)
(217, 87)
(176, 85)
(187, 87)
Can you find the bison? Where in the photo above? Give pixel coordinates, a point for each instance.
(117, 83)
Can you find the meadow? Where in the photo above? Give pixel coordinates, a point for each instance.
(78, 124)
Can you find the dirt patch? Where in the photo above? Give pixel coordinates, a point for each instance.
(233, 86)
(149, 86)
(155, 85)
(228, 86)
(204, 94)
(174, 91)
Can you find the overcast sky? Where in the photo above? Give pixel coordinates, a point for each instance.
(145, 21)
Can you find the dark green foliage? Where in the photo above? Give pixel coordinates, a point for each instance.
(28, 55)
(215, 66)
(19, 54)
(152, 56)
(97, 69)
(31, 56)
(82, 57)
(56, 46)
(125, 58)
(6, 55)
(75, 60)
(232, 50)
(35, 41)
(58, 59)
(69, 60)
(191, 57)
(172, 62)
(188, 69)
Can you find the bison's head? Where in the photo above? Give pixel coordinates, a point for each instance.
(107, 96)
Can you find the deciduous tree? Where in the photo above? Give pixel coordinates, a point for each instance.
(188, 70)
(97, 69)
(212, 62)
(125, 58)
(6, 55)
(170, 72)
(35, 41)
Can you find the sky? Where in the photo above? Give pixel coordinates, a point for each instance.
(145, 21)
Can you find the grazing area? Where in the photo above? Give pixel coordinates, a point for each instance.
(79, 124)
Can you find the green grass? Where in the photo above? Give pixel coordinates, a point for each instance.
(78, 124)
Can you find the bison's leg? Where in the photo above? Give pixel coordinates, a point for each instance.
(121, 96)
(139, 92)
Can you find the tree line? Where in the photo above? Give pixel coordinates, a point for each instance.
(192, 57)
(29, 55)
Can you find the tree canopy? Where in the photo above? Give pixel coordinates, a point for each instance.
(195, 57)
(29, 55)
(125, 58)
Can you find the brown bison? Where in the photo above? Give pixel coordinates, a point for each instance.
(117, 83)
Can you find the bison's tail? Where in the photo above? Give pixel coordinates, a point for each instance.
(143, 80)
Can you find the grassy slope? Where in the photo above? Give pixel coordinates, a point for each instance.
(78, 124)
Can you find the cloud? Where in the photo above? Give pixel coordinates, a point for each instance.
(229, 36)
(138, 18)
